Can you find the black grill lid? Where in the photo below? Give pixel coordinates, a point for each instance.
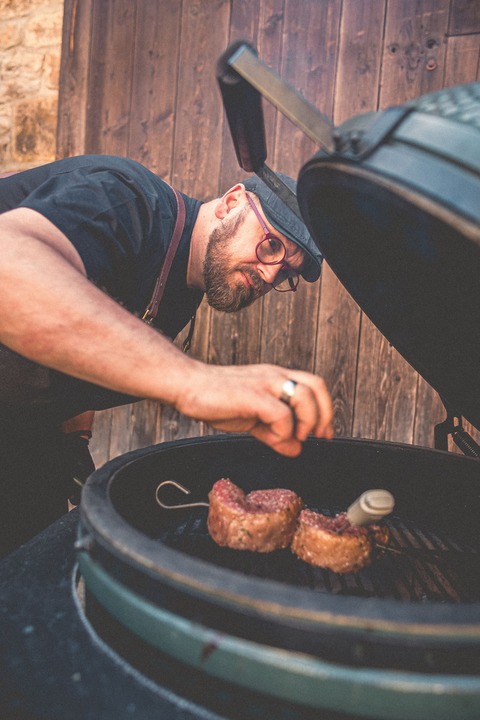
(396, 212)
(393, 202)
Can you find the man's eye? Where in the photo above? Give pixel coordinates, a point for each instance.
(274, 246)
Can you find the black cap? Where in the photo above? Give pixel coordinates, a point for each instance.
(287, 223)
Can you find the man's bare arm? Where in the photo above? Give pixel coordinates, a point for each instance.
(52, 314)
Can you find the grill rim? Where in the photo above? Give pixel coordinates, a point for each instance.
(384, 617)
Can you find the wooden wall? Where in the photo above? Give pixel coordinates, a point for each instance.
(138, 79)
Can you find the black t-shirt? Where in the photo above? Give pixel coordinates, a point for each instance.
(120, 217)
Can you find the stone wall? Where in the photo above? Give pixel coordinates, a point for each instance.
(30, 48)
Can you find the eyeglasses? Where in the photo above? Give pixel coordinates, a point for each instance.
(272, 251)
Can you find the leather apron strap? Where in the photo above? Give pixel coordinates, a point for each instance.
(152, 308)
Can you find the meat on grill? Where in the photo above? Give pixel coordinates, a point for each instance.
(262, 521)
(325, 542)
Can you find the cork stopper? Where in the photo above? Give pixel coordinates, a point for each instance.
(370, 507)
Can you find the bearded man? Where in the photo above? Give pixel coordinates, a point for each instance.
(102, 264)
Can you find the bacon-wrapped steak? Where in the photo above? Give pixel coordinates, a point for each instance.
(333, 543)
(263, 520)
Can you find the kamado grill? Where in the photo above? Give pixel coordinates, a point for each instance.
(152, 619)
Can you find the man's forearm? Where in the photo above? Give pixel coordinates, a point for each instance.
(52, 314)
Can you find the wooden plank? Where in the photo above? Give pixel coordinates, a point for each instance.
(111, 77)
(121, 431)
(109, 100)
(291, 320)
(124, 428)
(154, 85)
(414, 52)
(198, 114)
(235, 337)
(360, 57)
(308, 58)
(386, 390)
(308, 63)
(74, 86)
(74, 71)
(337, 348)
(275, 27)
(464, 17)
(150, 141)
(429, 412)
(261, 23)
(174, 426)
(198, 143)
(100, 442)
(356, 92)
(463, 60)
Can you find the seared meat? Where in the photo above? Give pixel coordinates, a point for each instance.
(263, 520)
(320, 540)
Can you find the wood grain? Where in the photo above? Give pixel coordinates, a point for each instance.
(74, 74)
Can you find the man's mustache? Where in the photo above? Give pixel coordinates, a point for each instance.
(258, 285)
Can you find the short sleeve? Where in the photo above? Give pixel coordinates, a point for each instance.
(106, 215)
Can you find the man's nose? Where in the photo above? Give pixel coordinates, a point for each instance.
(268, 273)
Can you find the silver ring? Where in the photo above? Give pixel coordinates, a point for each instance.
(288, 391)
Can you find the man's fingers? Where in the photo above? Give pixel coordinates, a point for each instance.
(277, 406)
(309, 401)
(288, 446)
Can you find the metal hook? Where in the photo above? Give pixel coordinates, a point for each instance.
(183, 489)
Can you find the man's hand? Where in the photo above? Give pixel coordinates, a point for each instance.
(248, 399)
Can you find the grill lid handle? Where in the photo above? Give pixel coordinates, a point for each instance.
(243, 78)
(370, 507)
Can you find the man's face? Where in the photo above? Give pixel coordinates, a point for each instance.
(234, 277)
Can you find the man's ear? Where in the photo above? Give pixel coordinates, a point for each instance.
(230, 200)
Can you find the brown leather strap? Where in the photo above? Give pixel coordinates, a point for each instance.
(152, 307)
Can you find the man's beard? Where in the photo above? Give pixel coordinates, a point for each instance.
(217, 268)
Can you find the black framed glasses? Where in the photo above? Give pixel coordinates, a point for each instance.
(271, 251)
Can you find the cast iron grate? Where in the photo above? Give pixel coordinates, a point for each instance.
(418, 566)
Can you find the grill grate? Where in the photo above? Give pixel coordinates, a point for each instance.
(418, 566)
